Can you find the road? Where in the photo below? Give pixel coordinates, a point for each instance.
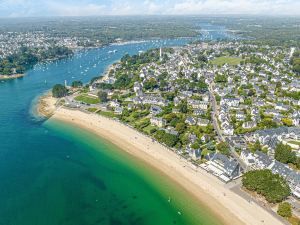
(218, 129)
(236, 187)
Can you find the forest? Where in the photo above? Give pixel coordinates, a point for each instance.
(295, 61)
(26, 58)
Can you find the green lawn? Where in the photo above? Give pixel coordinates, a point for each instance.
(225, 59)
(294, 142)
(92, 109)
(87, 99)
(148, 128)
(106, 114)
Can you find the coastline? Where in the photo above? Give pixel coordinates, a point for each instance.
(229, 207)
(10, 77)
(46, 105)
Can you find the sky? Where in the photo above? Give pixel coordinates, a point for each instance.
(37, 8)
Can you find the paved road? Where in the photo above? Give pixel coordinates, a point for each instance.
(235, 186)
(295, 204)
(217, 127)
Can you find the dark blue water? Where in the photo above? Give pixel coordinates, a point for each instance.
(212, 32)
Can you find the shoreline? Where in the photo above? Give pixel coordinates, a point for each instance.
(10, 77)
(46, 105)
(210, 192)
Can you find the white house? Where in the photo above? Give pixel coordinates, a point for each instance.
(160, 122)
(202, 122)
(249, 125)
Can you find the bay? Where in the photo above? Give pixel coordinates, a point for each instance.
(53, 173)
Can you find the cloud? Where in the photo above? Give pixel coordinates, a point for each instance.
(236, 7)
(153, 7)
(62, 9)
(146, 7)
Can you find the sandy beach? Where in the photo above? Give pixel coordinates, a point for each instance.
(9, 77)
(207, 189)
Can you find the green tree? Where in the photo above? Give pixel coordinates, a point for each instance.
(220, 78)
(102, 95)
(256, 147)
(122, 81)
(284, 154)
(180, 127)
(284, 209)
(59, 91)
(169, 139)
(150, 84)
(223, 148)
(76, 84)
(195, 145)
(202, 58)
(182, 106)
(272, 186)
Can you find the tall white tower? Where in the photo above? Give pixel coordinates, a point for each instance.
(65, 83)
(160, 54)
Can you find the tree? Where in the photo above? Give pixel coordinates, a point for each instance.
(195, 145)
(202, 58)
(169, 139)
(223, 148)
(183, 108)
(59, 91)
(150, 84)
(102, 95)
(257, 146)
(122, 81)
(180, 127)
(284, 209)
(272, 186)
(268, 123)
(76, 84)
(288, 122)
(297, 163)
(284, 154)
(220, 78)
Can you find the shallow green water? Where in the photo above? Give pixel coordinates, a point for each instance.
(117, 189)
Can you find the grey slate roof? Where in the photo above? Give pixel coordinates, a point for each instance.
(263, 159)
(228, 165)
(281, 169)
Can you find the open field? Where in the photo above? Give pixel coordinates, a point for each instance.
(294, 142)
(87, 99)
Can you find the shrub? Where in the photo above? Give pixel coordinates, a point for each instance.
(59, 91)
(284, 209)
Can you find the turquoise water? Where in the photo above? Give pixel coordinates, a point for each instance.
(53, 173)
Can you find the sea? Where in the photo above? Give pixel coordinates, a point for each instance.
(52, 173)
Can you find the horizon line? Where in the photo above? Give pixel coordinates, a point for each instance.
(157, 15)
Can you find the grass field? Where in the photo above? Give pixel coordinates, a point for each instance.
(92, 109)
(225, 59)
(106, 114)
(87, 99)
(295, 142)
(149, 128)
